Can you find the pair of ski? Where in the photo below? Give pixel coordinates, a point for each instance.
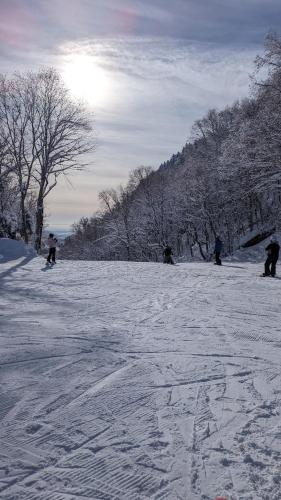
(263, 275)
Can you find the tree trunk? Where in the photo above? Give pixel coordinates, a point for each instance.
(199, 244)
(23, 219)
(128, 253)
(251, 220)
(39, 221)
(201, 250)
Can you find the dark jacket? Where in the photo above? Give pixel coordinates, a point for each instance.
(218, 245)
(168, 251)
(273, 250)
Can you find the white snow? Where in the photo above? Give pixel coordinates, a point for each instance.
(14, 249)
(133, 381)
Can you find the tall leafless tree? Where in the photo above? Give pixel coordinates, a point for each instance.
(46, 134)
(61, 135)
(15, 134)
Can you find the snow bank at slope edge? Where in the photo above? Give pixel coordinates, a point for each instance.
(14, 249)
(255, 253)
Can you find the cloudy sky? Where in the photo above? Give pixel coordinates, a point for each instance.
(146, 70)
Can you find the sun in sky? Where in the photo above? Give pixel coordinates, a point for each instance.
(86, 79)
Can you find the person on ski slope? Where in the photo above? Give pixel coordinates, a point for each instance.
(52, 244)
(217, 250)
(167, 253)
(272, 257)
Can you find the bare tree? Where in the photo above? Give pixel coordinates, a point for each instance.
(15, 134)
(61, 136)
(45, 133)
(118, 205)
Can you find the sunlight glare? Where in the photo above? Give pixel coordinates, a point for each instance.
(86, 79)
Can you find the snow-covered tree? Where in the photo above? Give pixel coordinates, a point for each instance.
(46, 134)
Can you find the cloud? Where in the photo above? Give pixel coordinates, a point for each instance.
(155, 72)
(44, 24)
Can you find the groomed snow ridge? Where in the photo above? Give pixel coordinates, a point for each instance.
(134, 381)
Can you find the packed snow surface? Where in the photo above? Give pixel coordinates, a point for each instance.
(133, 381)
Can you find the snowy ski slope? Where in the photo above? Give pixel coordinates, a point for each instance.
(133, 381)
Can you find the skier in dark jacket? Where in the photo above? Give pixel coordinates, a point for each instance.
(168, 259)
(272, 257)
(217, 250)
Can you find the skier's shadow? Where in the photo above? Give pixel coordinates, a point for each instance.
(14, 268)
(236, 267)
(47, 267)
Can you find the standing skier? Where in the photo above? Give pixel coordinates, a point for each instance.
(168, 259)
(52, 243)
(217, 250)
(272, 257)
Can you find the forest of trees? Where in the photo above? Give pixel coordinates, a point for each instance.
(43, 135)
(226, 180)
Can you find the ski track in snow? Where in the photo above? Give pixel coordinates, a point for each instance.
(131, 381)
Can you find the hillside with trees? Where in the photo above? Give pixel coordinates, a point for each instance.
(226, 181)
